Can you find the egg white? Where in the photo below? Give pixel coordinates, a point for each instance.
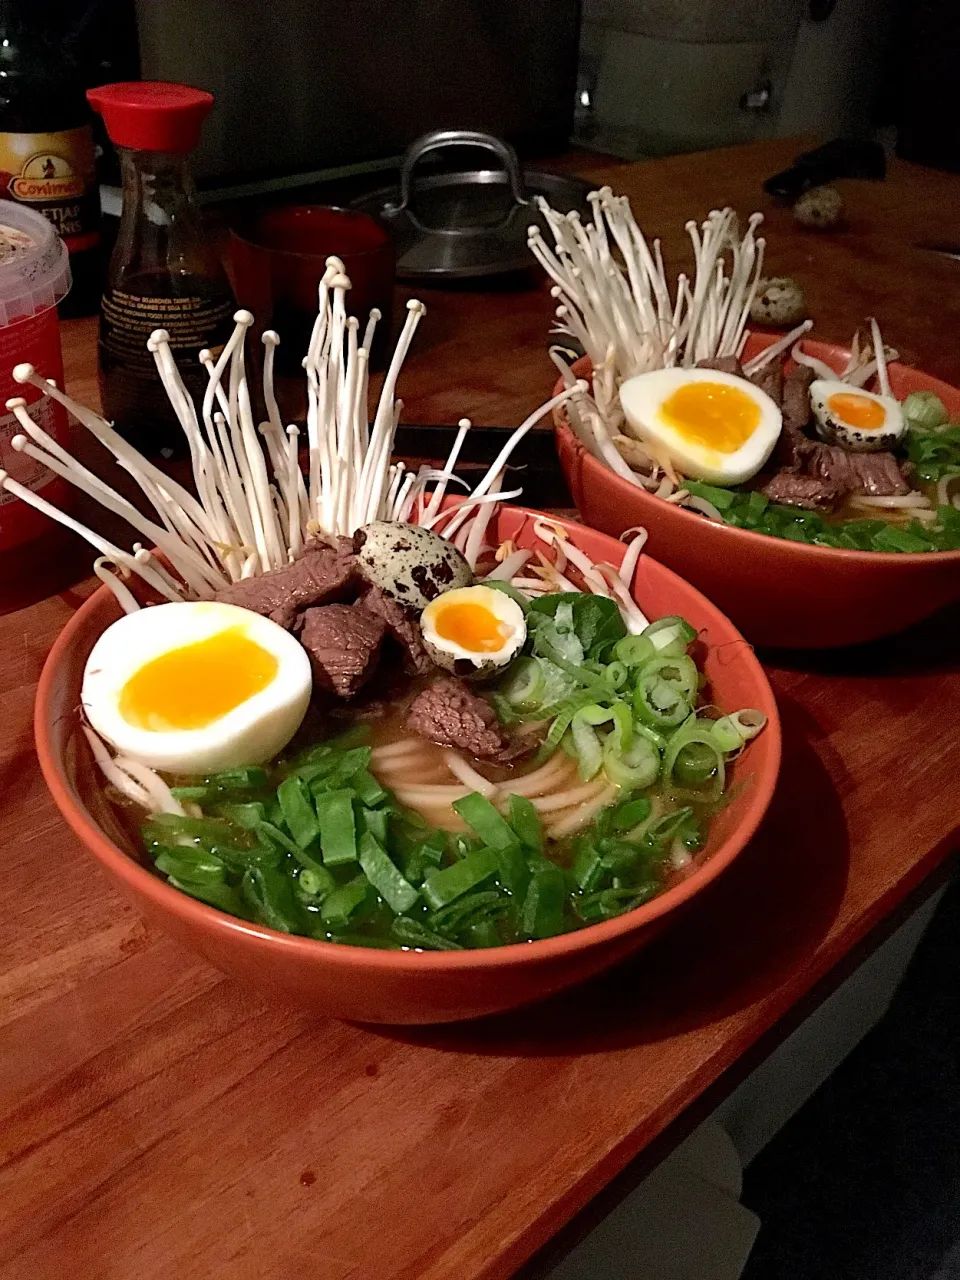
(252, 732)
(834, 430)
(507, 612)
(643, 397)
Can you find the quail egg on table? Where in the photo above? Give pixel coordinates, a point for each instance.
(702, 423)
(196, 687)
(778, 301)
(859, 420)
(819, 208)
(473, 627)
(409, 564)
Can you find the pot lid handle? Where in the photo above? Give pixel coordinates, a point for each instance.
(441, 138)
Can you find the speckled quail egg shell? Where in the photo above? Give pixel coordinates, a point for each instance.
(856, 419)
(411, 565)
(778, 301)
(473, 632)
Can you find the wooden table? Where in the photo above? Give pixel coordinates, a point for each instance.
(157, 1121)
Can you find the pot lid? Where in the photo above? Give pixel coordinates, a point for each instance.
(469, 223)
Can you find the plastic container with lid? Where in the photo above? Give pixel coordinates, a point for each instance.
(163, 273)
(34, 276)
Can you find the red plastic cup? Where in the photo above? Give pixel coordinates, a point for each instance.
(279, 256)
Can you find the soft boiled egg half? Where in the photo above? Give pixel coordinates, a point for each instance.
(473, 630)
(857, 419)
(196, 687)
(702, 423)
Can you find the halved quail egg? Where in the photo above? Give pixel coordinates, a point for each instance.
(474, 631)
(856, 419)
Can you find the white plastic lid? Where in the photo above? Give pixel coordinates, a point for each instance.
(34, 263)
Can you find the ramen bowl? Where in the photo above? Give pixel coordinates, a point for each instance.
(372, 985)
(779, 593)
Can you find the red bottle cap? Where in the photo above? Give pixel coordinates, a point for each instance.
(152, 115)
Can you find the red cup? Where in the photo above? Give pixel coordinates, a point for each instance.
(279, 256)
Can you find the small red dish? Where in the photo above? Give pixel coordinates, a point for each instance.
(779, 593)
(370, 985)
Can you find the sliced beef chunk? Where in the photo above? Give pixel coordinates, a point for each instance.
(321, 574)
(723, 364)
(795, 407)
(809, 492)
(770, 380)
(405, 629)
(446, 712)
(875, 474)
(343, 641)
(796, 397)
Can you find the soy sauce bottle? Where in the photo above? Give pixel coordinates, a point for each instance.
(47, 160)
(163, 273)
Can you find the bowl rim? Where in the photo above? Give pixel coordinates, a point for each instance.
(208, 918)
(751, 537)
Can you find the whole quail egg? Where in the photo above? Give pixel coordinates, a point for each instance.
(859, 420)
(819, 208)
(778, 301)
(411, 565)
(473, 631)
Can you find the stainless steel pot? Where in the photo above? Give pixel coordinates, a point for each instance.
(472, 222)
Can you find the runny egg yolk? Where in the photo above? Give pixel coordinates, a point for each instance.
(191, 687)
(472, 626)
(857, 411)
(712, 414)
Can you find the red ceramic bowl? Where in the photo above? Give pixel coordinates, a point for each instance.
(779, 593)
(371, 985)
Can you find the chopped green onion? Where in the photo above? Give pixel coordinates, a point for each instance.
(636, 768)
(484, 934)
(890, 538)
(249, 779)
(480, 816)
(523, 685)
(224, 897)
(608, 903)
(542, 913)
(634, 651)
(397, 893)
(444, 886)
(587, 868)
(629, 814)
(376, 821)
(731, 732)
(450, 918)
(270, 894)
(659, 703)
(670, 636)
(192, 865)
(681, 672)
(367, 789)
(274, 835)
(314, 883)
(298, 811)
(925, 409)
(248, 815)
(337, 827)
(525, 821)
(344, 905)
(412, 933)
(719, 498)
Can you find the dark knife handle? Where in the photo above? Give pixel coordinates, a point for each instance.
(842, 158)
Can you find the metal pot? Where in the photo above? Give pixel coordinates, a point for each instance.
(470, 223)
